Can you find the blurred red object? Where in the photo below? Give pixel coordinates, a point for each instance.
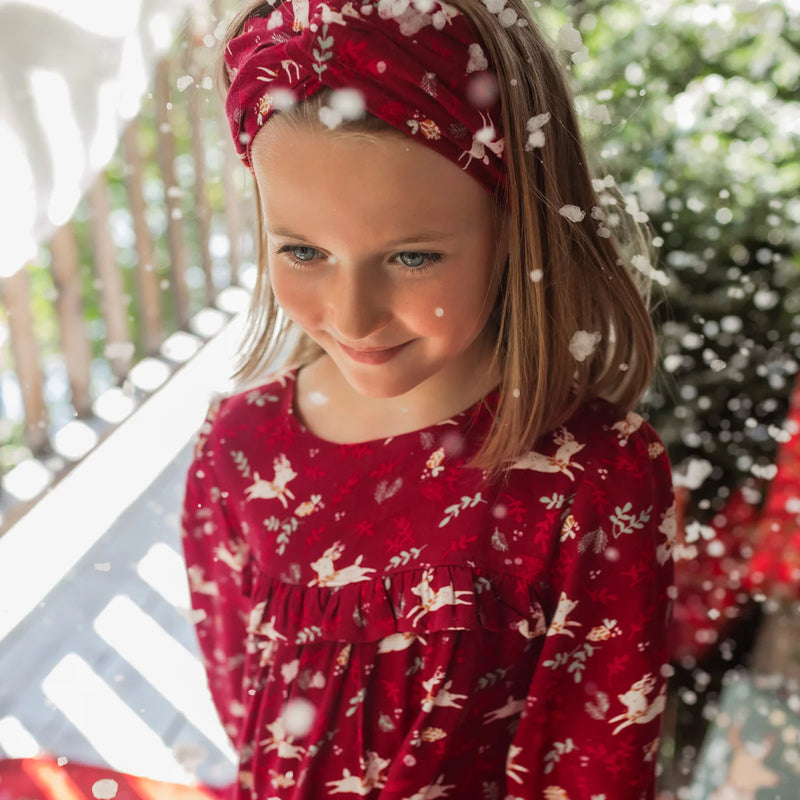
(774, 568)
(710, 567)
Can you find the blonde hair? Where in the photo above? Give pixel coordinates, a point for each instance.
(585, 283)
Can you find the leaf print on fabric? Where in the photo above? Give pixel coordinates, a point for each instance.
(322, 52)
(625, 522)
(384, 490)
(554, 756)
(466, 502)
(403, 558)
(596, 540)
(491, 678)
(242, 464)
(499, 541)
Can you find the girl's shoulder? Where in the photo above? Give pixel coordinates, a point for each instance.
(597, 437)
(239, 407)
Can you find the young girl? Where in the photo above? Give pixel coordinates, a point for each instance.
(431, 558)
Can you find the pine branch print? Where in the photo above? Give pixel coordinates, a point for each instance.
(466, 502)
(242, 464)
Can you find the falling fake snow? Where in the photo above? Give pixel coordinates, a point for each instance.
(184, 82)
(642, 263)
(572, 213)
(536, 275)
(535, 133)
(298, 717)
(439, 312)
(583, 344)
(105, 789)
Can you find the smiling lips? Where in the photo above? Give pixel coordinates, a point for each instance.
(372, 356)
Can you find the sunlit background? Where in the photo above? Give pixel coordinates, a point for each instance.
(124, 270)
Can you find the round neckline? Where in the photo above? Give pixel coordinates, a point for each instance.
(472, 412)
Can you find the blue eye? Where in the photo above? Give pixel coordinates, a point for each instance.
(418, 262)
(303, 253)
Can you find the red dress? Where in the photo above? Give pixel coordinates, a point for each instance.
(379, 621)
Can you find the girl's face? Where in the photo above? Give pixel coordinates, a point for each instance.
(384, 252)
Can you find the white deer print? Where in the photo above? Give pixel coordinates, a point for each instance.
(199, 584)
(669, 527)
(261, 628)
(638, 709)
(277, 487)
(280, 742)
(508, 710)
(373, 779)
(300, 8)
(327, 575)
(560, 462)
(432, 791)
(524, 627)
(625, 427)
(478, 149)
(444, 697)
(432, 601)
(397, 642)
(233, 560)
(511, 768)
(560, 623)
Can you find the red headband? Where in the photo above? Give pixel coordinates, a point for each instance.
(415, 69)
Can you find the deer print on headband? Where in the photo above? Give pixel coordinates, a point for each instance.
(416, 65)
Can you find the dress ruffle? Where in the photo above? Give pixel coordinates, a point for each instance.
(438, 598)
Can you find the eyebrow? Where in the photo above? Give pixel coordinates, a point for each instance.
(424, 236)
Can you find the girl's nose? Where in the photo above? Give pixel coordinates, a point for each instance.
(359, 305)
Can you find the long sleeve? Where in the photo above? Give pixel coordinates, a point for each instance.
(592, 720)
(219, 569)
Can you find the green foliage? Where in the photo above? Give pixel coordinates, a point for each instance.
(702, 100)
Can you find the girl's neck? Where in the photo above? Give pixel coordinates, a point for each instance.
(332, 410)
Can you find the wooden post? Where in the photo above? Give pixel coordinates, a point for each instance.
(15, 295)
(152, 329)
(194, 98)
(119, 349)
(69, 308)
(231, 164)
(172, 194)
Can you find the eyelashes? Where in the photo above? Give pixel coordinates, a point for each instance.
(290, 252)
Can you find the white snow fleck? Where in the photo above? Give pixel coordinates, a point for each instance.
(507, 17)
(599, 113)
(348, 102)
(275, 20)
(103, 567)
(184, 82)
(598, 213)
(642, 263)
(477, 60)
(536, 275)
(62, 760)
(768, 471)
(580, 56)
(439, 312)
(569, 38)
(329, 117)
(207, 83)
(105, 789)
(603, 232)
(693, 473)
(318, 398)
(515, 392)
(494, 6)
(535, 133)
(583, 344)
(572, 213)
(486, 134)
(298, 717)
